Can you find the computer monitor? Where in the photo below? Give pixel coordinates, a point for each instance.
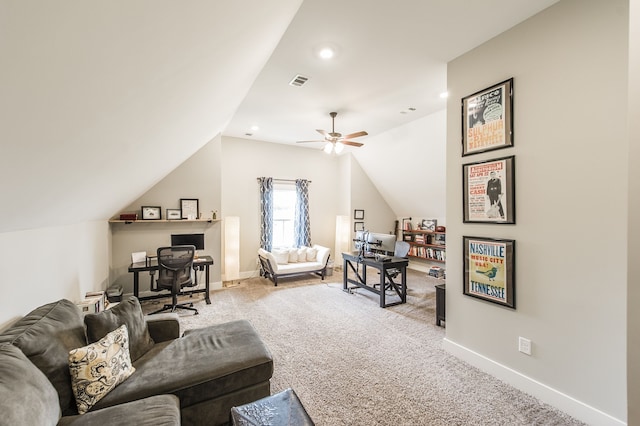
(382, 242)
(188, 239)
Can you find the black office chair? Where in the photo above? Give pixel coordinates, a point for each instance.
(174, 273)
(401, 250)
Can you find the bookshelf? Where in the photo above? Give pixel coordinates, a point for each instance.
(426, 245)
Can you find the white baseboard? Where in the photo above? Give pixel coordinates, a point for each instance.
(553, 397)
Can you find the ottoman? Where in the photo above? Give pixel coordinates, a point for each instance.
(280, 409)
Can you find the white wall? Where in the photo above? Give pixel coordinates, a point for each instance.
(198, 177)
(408, 166)
(569, 65)
(633, 290)
(43, 265)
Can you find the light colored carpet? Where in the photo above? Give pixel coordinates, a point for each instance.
(354, 363)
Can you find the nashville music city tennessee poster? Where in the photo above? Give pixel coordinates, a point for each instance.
(489, 270)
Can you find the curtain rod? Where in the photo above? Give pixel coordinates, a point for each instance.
(282, 180)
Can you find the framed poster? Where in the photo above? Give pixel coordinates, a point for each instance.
(358, 214)
(151, 213)
(487, 119)
(488, 191)
(489, 270)
(358, 226)
(189, 208)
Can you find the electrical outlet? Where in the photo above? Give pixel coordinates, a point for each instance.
(524, 345)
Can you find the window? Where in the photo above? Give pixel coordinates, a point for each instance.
(284, 211)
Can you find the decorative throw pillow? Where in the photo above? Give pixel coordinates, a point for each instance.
(129, 313)
(282, 256)
(311, 254)
(98, 368)
(293, 255)
(302, 254)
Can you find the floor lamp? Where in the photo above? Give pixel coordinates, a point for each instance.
(343, 236)
(231, 248)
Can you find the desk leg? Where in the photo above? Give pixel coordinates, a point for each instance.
(344, 274)
(136, 284)
(403, 271)
(206, 285)
(383, 274)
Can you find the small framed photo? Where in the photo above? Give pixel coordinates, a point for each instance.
(429, 224)
(189, 208)
(489, 274)
(151, 213)
(487, 119)
(174, 214)
(488, 191)
(358, 214)
(358, 226)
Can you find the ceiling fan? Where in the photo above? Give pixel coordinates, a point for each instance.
(335, 140)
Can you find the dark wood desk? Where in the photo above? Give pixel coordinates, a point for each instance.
(200, 263)
(385, 279)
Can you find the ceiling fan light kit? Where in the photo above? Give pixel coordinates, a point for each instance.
(335, 141)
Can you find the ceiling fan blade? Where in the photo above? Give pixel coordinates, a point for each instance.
(352, 143)
(319, 140)
(356, 135)
(322, 132)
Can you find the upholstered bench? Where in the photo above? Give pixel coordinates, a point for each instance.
(281, 409)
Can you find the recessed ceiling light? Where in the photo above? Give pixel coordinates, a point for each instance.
(254, 128)
(326, 53)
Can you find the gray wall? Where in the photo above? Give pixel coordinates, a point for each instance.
(569, 64)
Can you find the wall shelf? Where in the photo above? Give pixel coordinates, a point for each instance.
(175, 221)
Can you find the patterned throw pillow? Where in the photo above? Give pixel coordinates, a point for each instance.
(98, 368)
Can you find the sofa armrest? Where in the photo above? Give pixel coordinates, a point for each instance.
(163, 327)
(323, 254)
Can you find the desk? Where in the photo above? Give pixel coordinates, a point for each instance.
(200, 263)
(395, 263)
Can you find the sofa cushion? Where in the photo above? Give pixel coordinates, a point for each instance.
(293, 255)
(160, 410)
(312, 252)
(203, 364)
(26, 395)
(282, 256)
(98, 368)
(127, 312)
(45, 336)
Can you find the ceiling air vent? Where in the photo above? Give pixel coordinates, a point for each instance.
(298, 80)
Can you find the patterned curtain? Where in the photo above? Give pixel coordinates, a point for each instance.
(302, 227)
(266, 212)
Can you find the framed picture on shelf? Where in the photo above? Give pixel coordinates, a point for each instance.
(174, 214)
(189, 208)
(358, 226)
(358, 214)
(487, 119)
(489, 265)
(151, 213)
(429, 224)
(488, 189)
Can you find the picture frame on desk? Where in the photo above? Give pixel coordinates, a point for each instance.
(174, 214)
(189, 208)
(151, 213)
(489, 273)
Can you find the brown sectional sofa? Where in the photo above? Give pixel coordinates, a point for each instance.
(194, 379)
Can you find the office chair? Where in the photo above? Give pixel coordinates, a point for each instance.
(401, 250)
(174, 273)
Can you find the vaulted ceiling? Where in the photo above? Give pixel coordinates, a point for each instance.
(100, 100)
